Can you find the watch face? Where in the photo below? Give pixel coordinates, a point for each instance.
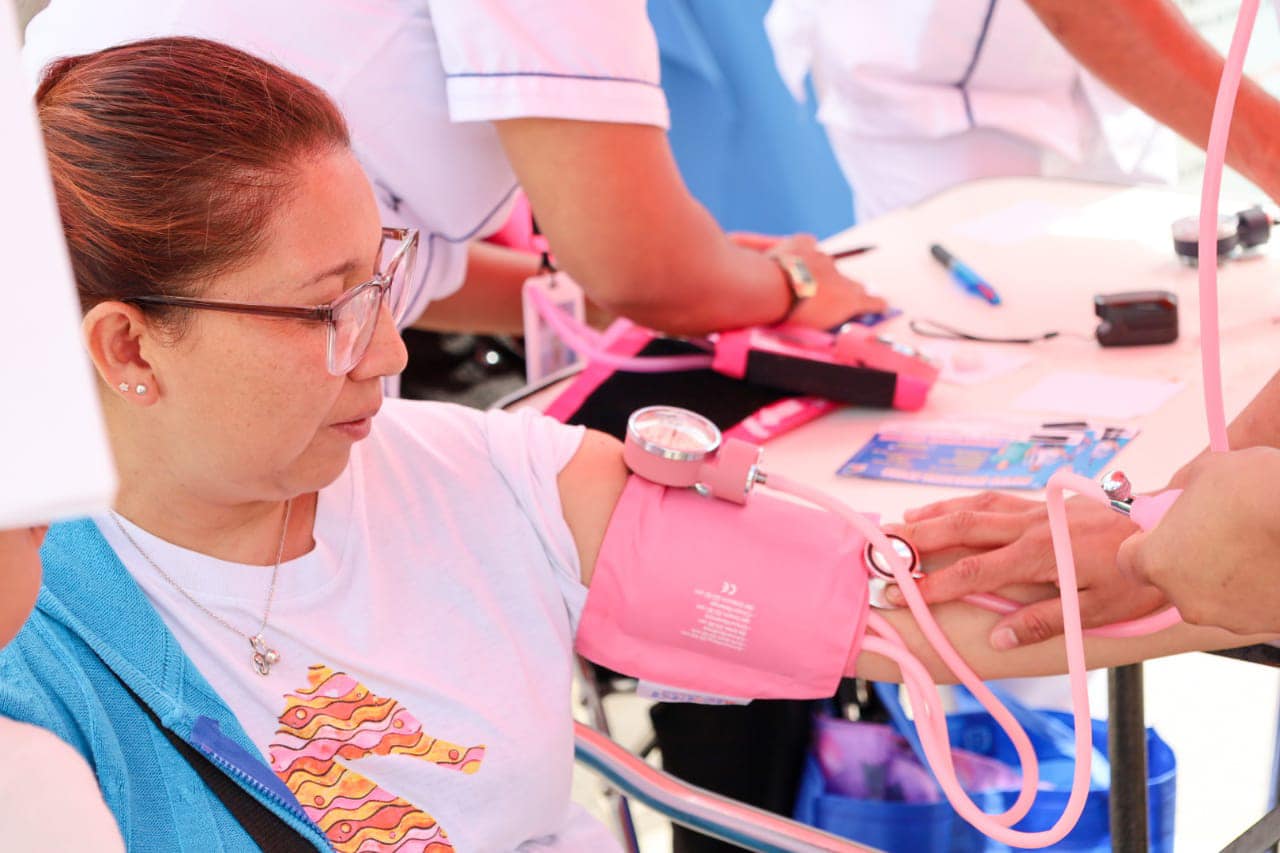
(803, 284)
(673, 433)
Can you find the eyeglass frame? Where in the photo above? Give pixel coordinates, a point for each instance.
(408, 238)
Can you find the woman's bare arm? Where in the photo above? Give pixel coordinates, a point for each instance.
(614, 207)
(592, 482)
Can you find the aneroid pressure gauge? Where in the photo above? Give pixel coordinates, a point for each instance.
(668, 445)
(676, 447)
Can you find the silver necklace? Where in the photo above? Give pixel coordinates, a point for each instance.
(264, 657)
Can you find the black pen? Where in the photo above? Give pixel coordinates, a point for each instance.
(849, 253)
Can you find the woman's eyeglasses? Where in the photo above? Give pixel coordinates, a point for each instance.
(351, 318)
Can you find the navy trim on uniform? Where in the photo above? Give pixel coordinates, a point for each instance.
(973, 63)
(552, 74)
(435, 235)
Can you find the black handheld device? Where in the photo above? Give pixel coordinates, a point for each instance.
(1136, 318)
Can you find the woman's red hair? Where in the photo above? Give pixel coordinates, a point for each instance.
(169, 157)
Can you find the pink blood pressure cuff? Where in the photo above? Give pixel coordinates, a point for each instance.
(762, 601)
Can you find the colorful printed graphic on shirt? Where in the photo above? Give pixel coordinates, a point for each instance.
(336, 717)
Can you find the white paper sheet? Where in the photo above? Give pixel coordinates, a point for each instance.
(1097, 395)
(971, 363)
(1008, 226)
(54, 459)
(1138, 214)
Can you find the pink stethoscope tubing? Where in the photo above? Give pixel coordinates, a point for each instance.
(586, 342)
(928, 704)
(1210, 344)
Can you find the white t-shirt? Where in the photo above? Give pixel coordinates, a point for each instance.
(898, 77)
(420, 82)
(49, 799)
(426, 641)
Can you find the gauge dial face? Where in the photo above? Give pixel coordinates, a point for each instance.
(673, 433)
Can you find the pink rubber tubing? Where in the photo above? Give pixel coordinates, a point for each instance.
(586, 342)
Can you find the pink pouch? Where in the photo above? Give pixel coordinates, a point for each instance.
(766, 600)
(757, 424)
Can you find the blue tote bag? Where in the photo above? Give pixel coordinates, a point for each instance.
(888, 820)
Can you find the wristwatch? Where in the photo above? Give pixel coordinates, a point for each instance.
(803, 284)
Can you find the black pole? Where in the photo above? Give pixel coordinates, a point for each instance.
(1127, 752)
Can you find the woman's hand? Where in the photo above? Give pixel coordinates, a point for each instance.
(991, 540)
(1216, 552)
(838, 297)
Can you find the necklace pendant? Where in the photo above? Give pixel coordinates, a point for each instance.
(264, 657)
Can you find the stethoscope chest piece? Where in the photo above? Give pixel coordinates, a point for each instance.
(880, 576)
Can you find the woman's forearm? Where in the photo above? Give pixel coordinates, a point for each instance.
(614, 207)
(1148, 52)
(968, 628)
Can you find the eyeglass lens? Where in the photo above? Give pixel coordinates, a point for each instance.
(353, 325)
(397, 296)
(355, 320)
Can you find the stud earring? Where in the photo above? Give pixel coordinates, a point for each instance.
(124, 387)
(140, 389)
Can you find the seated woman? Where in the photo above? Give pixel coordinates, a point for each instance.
(361, 612)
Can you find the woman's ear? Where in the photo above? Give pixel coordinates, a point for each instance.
(116, 334)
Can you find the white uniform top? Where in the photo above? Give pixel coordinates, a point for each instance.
(422, 696)
(419, 82)
(890, 76)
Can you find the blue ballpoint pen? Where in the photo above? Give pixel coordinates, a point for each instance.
(964, 276)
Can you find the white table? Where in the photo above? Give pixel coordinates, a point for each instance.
(1047, 281)
(1075, 240)
(1048, 246)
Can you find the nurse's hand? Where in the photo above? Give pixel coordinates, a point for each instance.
(1216, 552)
(838, 297)
(988, 541)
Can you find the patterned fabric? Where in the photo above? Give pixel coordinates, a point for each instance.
(336, 717)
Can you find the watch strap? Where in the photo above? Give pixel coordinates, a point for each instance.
(800, 280)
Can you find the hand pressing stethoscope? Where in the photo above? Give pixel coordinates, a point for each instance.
(681, 449)
(1214, 554)
(678, 448)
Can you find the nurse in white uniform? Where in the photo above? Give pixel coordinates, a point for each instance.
(920, 95)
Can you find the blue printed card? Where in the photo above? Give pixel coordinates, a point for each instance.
(986, 454)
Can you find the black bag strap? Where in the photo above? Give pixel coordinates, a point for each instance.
(267, 829)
